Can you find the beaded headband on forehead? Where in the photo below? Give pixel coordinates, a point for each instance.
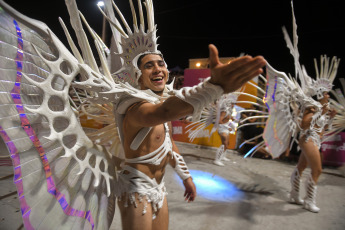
(133, 43)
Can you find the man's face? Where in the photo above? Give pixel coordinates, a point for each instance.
(154, 73)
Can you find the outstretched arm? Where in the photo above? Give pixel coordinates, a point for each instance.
(228, 77)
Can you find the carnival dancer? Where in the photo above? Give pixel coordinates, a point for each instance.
(226, 125)
(219, 114)
(300, 109)
(52, 154)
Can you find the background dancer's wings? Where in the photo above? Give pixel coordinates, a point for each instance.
(211, 115)
(256, 110)
(64, 181)
(282, 96)
(338, 124)
(208, 116)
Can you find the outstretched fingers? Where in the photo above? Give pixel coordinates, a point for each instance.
(241, 70)
(250, 69)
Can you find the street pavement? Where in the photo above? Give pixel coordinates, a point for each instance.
(248, 193)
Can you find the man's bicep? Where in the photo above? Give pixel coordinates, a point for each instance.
(143, 114)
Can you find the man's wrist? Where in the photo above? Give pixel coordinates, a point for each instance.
(185, 180)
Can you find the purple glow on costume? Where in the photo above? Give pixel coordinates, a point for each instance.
(275, 90)
(275, 106)
(24, 207)
(25, 123)
(265, 97)
(17, 179)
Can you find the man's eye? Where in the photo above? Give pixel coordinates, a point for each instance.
(161, 64)
(148, 66)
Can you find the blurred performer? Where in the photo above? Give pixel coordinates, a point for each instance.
(226, 125)
(219, 113)
(303, 113)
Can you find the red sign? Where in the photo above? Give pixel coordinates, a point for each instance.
(193, 77)
(333, 150)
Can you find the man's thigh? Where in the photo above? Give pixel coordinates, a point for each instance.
(161, 222)
(133, 217)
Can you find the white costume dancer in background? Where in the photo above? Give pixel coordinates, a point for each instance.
(311, 116)
(62, 177)
(226, 126)
(220, 114)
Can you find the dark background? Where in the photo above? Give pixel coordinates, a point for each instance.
(186, 27)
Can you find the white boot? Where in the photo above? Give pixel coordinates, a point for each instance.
(224, 158)
(309, 200)
(295, 180)
(219, 153)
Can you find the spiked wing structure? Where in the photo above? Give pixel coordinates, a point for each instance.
(208, 117)
(259, 114)
(281, 124)
(338, 124)
(64, 181)
(211, 114)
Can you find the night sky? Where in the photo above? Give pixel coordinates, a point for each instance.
(186, 27)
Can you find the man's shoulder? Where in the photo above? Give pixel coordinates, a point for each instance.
(128, 100)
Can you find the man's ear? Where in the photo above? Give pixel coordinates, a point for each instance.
(139, 79)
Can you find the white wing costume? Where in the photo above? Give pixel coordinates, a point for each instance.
(211, 115)
(287, 100)
(63, 178)
(338, 124)
(259, 113)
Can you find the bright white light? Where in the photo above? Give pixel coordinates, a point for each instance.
(100, 3)
(198, 64)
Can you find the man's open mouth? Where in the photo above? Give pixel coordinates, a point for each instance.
(157, 79)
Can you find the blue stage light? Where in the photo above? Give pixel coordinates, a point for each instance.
(213, 187)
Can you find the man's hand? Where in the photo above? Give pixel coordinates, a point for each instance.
(235, 74)
(190, 192)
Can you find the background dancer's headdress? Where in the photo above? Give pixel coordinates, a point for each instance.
(324, 78)
(133, 43)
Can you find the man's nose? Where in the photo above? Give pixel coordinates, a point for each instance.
(157, 68)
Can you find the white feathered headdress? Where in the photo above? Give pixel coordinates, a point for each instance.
(133, 43)
(324, 78)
